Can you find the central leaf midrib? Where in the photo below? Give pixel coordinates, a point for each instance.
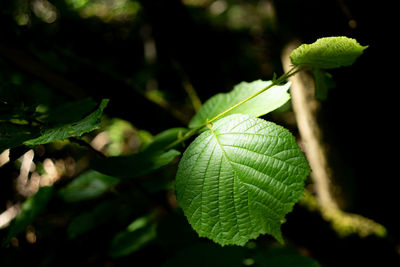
(235, 175)
(231, 163)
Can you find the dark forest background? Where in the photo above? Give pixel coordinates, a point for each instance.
(144, 55)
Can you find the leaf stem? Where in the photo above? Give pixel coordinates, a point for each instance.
(274, 82)
(184, 137)
(282, 78)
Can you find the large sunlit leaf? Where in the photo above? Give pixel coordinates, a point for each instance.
(262, 104)
(240, 178)
(31, 208)
(328, 53)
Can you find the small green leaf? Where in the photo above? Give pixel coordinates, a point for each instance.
(262, 104)
(89, 184)
(239, 179)
(31, 208)
(328, 53)
(134, 165)
(323, 82)
(64, 131)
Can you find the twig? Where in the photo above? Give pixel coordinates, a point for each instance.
(305, 107)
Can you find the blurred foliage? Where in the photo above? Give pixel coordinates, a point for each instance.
(60, 58)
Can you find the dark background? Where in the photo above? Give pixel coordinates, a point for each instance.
(74, 57)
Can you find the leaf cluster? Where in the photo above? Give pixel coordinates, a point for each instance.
(238, 178)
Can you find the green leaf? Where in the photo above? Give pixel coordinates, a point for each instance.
(89, 184)
(88, 220)
(12, 135)
(31, 208)
(262, 104)
(323, 82)
(104, 213)
(137, 235)
(239, 179)
(327, 53)
(134, 165)
(63, 122)
(64, 131)
(71, 111)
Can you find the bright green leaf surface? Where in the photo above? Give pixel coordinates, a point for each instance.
(134, 165)
(88, 185)
(262, 104)
(327, 53)
(240, 178)
(31, 208)
(64, 131)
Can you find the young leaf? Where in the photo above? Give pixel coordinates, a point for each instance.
(60, 132)
(327, 53)
(262, 104)
(30, 210)
(239, 179)
(88, 185)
